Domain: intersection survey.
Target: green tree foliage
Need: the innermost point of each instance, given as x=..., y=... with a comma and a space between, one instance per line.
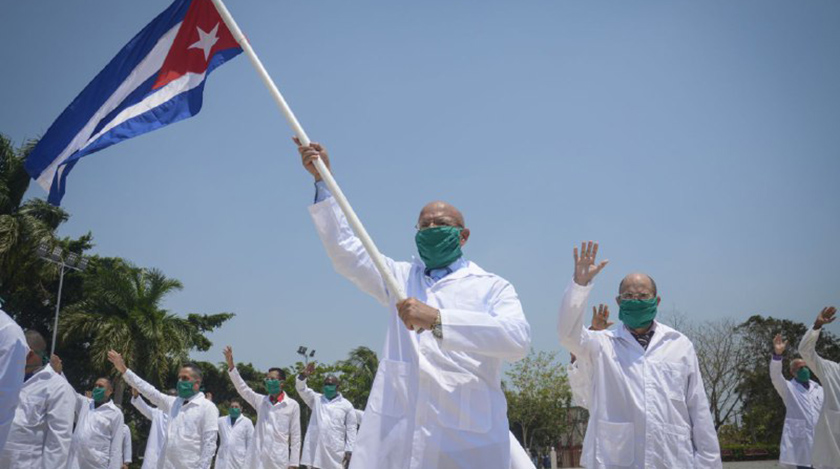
x=537, y=392
x=122, y=310
x=763, y=412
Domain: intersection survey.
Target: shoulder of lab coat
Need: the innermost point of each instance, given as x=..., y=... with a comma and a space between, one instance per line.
x=61, y=404
x=570, y=329
x=348, y=255
x=500, y=330
x=13, y=350
x=808, y=349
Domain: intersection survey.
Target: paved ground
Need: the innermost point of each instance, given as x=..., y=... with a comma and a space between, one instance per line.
x=752, y=465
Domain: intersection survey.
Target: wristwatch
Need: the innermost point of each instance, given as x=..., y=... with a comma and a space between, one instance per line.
x=437, y=327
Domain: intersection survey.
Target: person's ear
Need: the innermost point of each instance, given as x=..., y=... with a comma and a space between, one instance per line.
x=618, y=301
x=465, y=235
x=658, y=300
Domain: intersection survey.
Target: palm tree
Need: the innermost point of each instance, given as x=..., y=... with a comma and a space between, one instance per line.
x=122, y=310
x=357, y=375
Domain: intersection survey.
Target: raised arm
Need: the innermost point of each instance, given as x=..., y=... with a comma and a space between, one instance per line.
x=573, y=336
x=242, y=388
x=703, y=434
x=159, y=399
x=776, y=376
x=140, y=404
x=345, y=250
x=808, y=344
x=308, y=395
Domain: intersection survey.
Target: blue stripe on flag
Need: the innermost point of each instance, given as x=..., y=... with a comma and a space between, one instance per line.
x=178, y=108
x=76, y=116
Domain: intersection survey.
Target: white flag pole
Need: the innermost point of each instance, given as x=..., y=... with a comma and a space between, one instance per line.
x=391, y=282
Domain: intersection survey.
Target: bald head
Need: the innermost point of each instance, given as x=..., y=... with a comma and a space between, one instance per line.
x=35, y=341
x=637, y=283
x=439, y=213
x=795, y=365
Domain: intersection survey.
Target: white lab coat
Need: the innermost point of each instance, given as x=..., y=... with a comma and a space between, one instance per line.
x=97, y=439
x=126, y=446
x=647, y=408
x=580, y=381
x=435, y=403
x=518, y=457
x=157, y=432
x=43, y=425
x=277, y=435
x=13, y=350
x=803, y=407
x=234, y=443
x=826, y=449
x=331, y=431
x=192, y=428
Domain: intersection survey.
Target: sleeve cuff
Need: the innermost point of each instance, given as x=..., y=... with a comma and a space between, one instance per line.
x=321, y=191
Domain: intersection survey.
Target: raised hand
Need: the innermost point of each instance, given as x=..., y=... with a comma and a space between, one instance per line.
x=89, y=394
x=117, y=360
x=779, y=345
x=310, y=368
x=826, y=316
x=56, y=364
x=585, y=267
x=134, y=392
x=229, y=358
x=309, y=154
x=601, y=318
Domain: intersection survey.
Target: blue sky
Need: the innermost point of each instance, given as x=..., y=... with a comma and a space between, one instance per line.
x=697, y=141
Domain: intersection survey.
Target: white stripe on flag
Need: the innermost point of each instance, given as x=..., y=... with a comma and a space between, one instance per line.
x=150, y=65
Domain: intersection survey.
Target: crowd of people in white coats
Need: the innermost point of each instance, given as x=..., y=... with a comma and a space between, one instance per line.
x=436, y=400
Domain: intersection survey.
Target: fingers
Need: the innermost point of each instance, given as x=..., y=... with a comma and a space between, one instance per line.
x=576, y=255
x=595, y=251
x=600, y=267
x=606, y=312
x=297, y=141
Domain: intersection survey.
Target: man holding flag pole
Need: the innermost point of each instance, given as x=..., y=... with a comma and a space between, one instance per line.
x=437, y=399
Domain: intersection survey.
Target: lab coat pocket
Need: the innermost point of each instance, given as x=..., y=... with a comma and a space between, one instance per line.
x=674, y=380
x=464, y=402
x=614, y=444
x=797, y=428
x=389, y=395
x=675, y=446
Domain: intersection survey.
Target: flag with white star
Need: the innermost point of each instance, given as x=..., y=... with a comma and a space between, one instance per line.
x=155, y=80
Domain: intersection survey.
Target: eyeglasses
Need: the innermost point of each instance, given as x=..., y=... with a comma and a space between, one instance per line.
x=436, y=221
x=636, y=296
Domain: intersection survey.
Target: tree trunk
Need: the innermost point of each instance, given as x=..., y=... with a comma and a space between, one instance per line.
x=119, y=391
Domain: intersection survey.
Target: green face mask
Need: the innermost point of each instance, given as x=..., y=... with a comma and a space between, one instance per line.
x=98, y=394
x=439, y=246
x=803, y=375
x=234, y=413
x=637, y=314
x=185, y=389
x=330, y=391
x=272, y=386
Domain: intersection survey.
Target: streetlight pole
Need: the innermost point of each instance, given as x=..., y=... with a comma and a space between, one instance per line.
x=73, y=261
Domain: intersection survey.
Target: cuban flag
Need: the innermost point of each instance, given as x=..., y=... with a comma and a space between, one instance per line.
x=155, y=80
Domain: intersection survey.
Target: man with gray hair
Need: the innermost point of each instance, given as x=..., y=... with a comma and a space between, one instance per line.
x=42, y=429
x=193, y=420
